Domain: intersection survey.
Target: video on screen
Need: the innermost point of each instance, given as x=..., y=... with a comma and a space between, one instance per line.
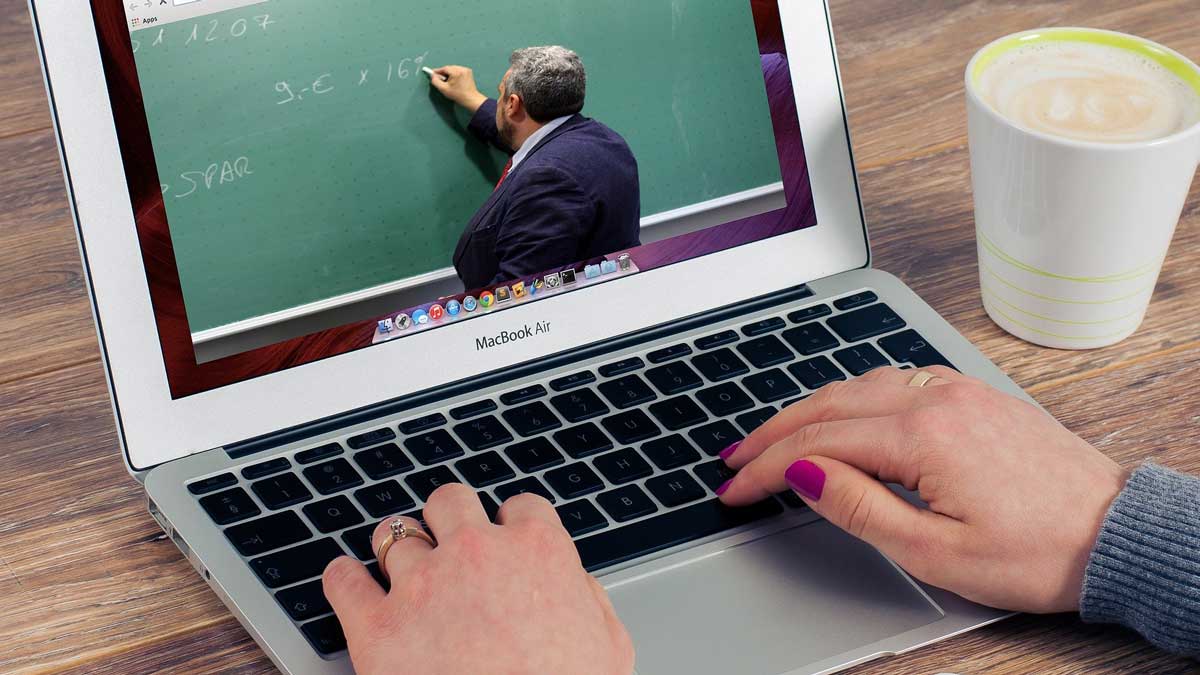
x=410, y=165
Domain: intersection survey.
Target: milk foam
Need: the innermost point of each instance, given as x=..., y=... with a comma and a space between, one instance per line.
x=1089, y=92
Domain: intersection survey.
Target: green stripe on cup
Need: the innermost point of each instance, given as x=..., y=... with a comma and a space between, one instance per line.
x=997, y=298
x=992, y=273
x=1139, y=271
x=1056, y=335
x=1176, y=64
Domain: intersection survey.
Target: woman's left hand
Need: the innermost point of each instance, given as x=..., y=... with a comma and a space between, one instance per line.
x=509, y=597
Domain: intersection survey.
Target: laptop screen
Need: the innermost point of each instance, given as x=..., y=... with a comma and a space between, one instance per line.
x=312, y=178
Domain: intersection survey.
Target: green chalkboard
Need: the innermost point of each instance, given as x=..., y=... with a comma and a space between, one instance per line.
x=303, y=155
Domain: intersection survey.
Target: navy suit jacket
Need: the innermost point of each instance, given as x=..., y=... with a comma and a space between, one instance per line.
x=574, y=196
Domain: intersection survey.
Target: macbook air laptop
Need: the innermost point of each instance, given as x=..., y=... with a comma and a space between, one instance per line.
x=268, y=197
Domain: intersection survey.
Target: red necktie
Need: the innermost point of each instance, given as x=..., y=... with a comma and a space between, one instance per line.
x=503, y=174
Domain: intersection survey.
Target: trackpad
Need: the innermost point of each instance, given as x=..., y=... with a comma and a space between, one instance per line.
x=769, y=606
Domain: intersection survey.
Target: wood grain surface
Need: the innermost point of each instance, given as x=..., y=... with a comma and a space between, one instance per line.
x=88, y=583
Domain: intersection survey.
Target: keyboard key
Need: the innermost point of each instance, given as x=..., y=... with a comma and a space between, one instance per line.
x=577, y=406
x=424, y=423
x=762, y=327
x=674, y=378
x=856, y=300
x=713, y=474
x=490, y=507
x=318, y=453
x=484, y=469
x=332, y=514
x=672, y=528
x=433, y=447
x=716, y=340
x=766, y=351
x=809, y=313
x=268, y=534
x=909, y=347
x=810, y=338
x=483, y=433
x=581, y=517
x=630, y=426
x=720, y=365
x=527, y=484
x=678, y=413
x=573, y=380
x=266, y=468
x=370, y=438
x=670, y=452
x=626, y=503
x=325, y=635
x=724, y=399
x=749, y=421
x=373, y=570
x=532, y=419
x=523, y=394
x=304, y=601
x=816, y=372
x=792, y=499
x=583, y=440
x=771, y=385
x=714, y=437
x=425, y=482
x=668, y=353
x=627, y=392
x=621, y=367
x=860, y=359
x=332, y=476
x=280, y=491
x=359, y=541
x=298, y=563
x=463, y=412
x=382, y=461
x=866, y=323
x=536, y=454
x=384, y=499
x=230, y=506
x=622, y=466
x=206, y=485
x=574, y=480
x=675, y=488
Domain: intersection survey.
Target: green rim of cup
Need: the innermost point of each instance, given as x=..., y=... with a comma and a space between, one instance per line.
x=1173, y=62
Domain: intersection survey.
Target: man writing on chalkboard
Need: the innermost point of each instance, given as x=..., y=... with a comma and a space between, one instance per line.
x=569, y=191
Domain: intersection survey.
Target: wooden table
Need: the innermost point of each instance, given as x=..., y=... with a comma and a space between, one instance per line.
x=88, y=583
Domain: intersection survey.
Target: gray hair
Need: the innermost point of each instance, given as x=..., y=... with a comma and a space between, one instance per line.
x=550, y=81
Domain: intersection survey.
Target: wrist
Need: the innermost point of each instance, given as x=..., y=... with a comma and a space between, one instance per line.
x=473, y=101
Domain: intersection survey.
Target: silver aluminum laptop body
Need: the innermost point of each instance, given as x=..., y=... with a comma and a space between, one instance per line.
x=787, y=594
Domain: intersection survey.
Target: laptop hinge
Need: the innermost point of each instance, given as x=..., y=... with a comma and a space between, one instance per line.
x=530, y=368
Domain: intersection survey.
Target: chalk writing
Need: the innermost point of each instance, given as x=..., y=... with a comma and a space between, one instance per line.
x=206, y=32
x=366, y=76
x=214, y=175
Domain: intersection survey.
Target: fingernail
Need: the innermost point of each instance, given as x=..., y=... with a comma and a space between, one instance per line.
x=725, y=454
x=724, y=486
x=806, y=478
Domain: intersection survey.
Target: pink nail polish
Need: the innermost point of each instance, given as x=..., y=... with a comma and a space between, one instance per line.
x=727, y=452
x=724, y=486
x=806, y=478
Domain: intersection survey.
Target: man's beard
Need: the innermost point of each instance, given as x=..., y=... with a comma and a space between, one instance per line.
x=506, y=131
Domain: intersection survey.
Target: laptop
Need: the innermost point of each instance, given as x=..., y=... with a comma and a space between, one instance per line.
x=291, y=357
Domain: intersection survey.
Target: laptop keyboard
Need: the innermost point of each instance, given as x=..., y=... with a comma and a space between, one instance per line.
x=626, y=452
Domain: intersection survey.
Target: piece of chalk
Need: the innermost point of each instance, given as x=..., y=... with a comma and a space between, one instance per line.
x=427, y=70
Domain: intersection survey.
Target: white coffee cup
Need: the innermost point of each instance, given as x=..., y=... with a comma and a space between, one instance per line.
x=1072, y=234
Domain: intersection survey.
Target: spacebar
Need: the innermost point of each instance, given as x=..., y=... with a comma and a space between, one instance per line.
x=670, y=529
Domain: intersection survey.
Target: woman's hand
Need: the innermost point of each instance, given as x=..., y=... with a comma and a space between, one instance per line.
x=1014, y=499
x=505, y=598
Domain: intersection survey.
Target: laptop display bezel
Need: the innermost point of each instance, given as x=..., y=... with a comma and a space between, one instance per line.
x=155, y=428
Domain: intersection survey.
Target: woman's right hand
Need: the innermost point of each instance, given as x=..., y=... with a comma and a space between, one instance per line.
x=1015, y=500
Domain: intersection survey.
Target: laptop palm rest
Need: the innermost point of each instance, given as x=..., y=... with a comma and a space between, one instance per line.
x=769, y=606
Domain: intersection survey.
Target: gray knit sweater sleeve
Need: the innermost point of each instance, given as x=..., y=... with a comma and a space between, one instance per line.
x=1144, y=572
